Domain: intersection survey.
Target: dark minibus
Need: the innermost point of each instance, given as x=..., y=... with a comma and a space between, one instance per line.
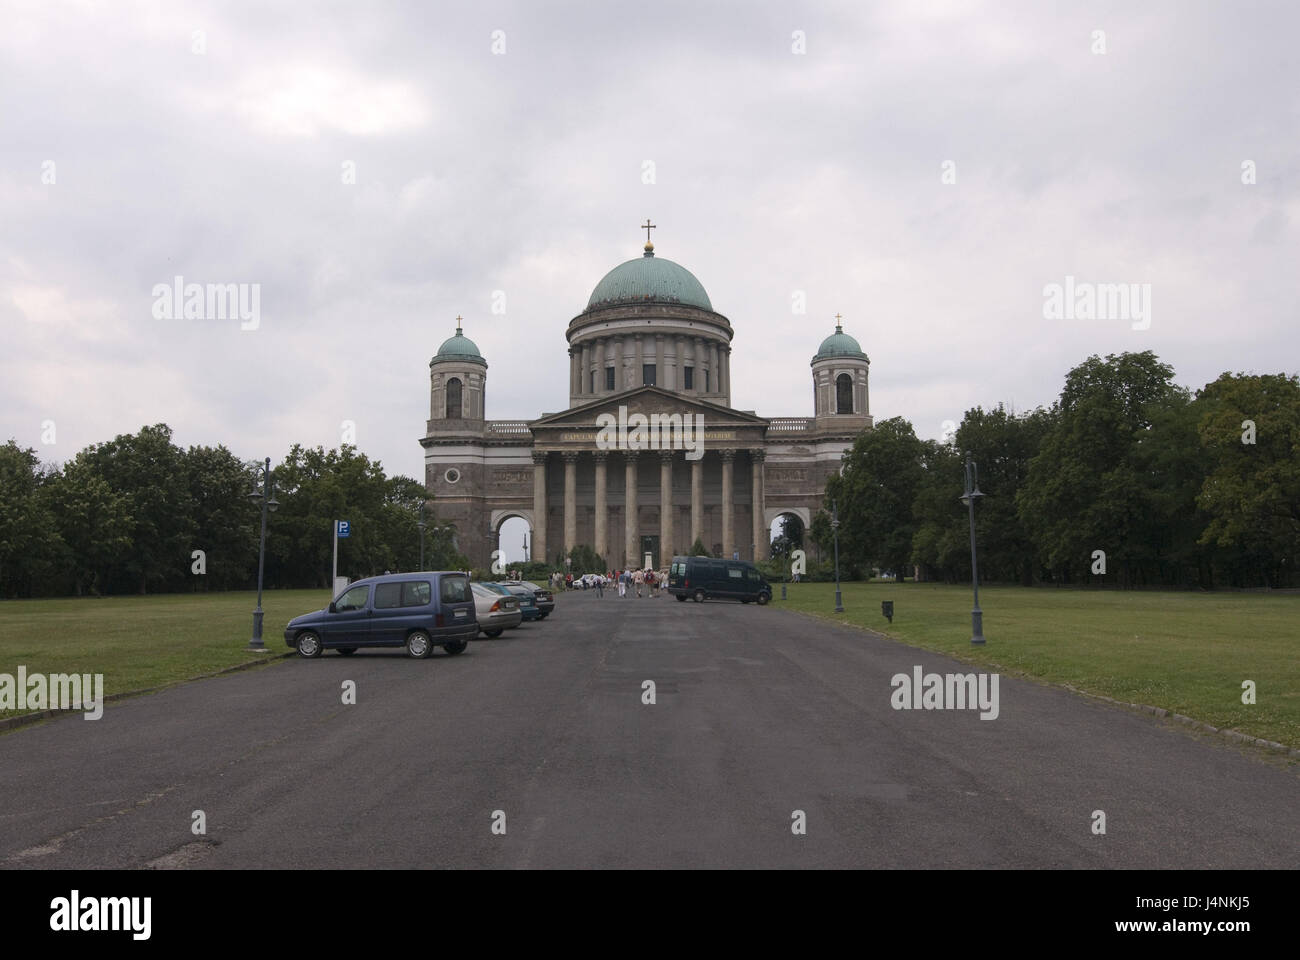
x=703, y=578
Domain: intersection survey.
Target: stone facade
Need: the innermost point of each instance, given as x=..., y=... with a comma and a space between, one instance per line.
x=645, y=351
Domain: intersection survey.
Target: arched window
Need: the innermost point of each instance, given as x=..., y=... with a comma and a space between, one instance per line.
x=453, y=399
x=844, y=393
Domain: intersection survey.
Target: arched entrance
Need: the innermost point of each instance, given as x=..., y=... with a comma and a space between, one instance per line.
x=513, y=536
x=787, y=531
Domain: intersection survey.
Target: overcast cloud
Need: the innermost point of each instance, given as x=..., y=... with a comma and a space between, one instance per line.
x=522, y=172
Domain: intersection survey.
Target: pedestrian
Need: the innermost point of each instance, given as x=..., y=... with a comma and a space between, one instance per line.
x=638, y=579
x=622, y=582
x=600, y=588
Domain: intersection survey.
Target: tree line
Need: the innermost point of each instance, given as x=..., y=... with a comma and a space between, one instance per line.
x=139, y=514
x=1127, y=479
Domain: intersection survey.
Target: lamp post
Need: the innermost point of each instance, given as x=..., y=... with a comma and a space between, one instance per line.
x=971, y=494
x=835, y=529
x=266, y=497
x=421, y=524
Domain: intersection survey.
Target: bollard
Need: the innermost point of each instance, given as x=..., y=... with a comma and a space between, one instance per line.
x=887, y=608
x=782, y=589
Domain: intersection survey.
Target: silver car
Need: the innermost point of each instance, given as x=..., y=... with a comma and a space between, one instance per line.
x=497, y=612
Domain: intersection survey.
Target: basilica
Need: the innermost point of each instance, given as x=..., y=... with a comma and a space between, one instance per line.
x=648, y=342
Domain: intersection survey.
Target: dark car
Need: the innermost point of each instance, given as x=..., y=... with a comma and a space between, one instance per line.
x=527, y=599
x=418, y=611
x=543, y=597
x=703, y=578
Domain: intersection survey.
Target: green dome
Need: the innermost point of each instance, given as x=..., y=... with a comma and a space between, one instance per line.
x=459, y=347
x=839, y=344
x=649, y=279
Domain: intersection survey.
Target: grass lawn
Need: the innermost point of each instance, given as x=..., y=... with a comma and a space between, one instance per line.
x=1186, y=652
x=138, y=642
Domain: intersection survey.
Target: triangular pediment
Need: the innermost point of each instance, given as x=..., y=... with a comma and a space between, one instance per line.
x=647, y=401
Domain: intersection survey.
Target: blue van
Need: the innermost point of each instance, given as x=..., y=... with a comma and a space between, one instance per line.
x=418, y=611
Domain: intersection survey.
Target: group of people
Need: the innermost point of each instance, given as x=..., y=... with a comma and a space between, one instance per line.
x=630, y=582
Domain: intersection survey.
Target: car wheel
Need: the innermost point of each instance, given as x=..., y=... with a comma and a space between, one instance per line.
x=744, y=599
x=763, y=598
x=699, y=596
x=347, y=651
x=456, y=646
x=309, y=645
x=543, y=616
x=492, y=634
x=418, y=645
x=681, y=598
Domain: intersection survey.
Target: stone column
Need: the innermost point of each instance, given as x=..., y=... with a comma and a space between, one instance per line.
x=602, y=361
x=661, y=374
x=631, y=537
x=600, y=456
x=697, y=356
x=728, y=505
x=640, y=359
x=679, y=384
x=584, y=379
x=666, y=505
x=539, y=504
x=697, y=500
x=619, y=384
x=726, y=374
x=570, y=501
x=715, y=381
x=756, y=458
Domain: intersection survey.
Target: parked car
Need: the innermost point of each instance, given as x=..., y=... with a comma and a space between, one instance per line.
x=542, y=596
x=497, y=611
x=526, y=597
x=418, y=611
x=703, y=578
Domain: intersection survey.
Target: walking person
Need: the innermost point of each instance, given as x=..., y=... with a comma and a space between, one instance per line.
x=598, y=583
x=622, y=582
x=638, y=578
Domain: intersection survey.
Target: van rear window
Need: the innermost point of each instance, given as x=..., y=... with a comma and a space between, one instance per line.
x=416, y=593
x=455, y=589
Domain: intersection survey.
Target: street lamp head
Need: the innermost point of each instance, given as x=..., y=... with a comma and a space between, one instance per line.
x=272, y=504
x=255, y=495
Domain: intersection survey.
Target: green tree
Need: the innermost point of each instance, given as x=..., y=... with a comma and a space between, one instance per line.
x=94, y=522
x=30, y=549
x=226, y=523
x=1249, y=428
x=875, y=493
x=1084, y=490
x=149, y=471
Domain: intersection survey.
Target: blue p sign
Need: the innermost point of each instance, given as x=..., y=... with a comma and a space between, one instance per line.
x=345, y=529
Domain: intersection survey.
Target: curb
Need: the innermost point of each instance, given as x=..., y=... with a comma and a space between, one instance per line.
x=14, y=722
x=1191, y=722
x=1273, y=745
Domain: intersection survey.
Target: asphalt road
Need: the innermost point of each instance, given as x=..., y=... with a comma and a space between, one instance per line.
x=759, y=713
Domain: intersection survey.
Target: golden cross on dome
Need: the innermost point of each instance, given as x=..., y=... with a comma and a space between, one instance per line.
x=647, y=227
x=458, y=323
x=838, y=324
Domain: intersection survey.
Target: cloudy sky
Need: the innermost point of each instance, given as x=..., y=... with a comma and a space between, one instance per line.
x=507, y=147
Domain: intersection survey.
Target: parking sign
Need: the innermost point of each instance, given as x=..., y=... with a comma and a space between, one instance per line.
x=345, y=529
